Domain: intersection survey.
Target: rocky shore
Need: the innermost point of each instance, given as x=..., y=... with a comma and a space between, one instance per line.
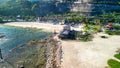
x=45, y=53
x=53, y=53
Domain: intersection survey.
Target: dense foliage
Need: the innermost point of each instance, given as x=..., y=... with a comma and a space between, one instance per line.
x=117, y=56
x=112, y=32
x=117, y=26
x=32, y=7
x=29, y=9
x=103, y=18
x=114, y=63
x=16, y=7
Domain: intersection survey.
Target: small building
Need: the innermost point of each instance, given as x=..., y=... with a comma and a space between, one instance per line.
x=67, y=33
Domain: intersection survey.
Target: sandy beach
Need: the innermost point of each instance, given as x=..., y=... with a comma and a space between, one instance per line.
x=93, y=54
x=45, y=26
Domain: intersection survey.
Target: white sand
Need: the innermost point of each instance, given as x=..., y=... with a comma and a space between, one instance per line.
x=45, y=26
x=94, y=54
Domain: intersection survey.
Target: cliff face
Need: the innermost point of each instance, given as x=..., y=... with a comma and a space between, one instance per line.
x=86, y=7
x=93, y=7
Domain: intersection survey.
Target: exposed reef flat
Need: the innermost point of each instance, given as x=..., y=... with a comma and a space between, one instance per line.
x=35, y=54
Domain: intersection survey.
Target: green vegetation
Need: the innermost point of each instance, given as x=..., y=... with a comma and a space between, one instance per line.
x=113, y=63
x=110, y=32
x=28, y=10
x=16, y=7
x=84, y=36
x=103, y=18
x=113, y=17
x=115, y=30
x=25, y=9
x=75, y=18
x=94, y=28
x=117, y=56
x=117, y=27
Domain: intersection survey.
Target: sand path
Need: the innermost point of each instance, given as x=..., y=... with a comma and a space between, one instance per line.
x=92, y=54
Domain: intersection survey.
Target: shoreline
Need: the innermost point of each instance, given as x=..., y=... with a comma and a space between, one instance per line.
x=45, y=47
x=78, y=54
x=36, y=25
x=54, y=42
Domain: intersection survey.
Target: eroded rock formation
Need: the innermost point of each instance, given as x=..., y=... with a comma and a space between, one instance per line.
x=94, y=7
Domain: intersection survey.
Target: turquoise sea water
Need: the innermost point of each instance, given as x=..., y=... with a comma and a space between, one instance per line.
x=17, y=36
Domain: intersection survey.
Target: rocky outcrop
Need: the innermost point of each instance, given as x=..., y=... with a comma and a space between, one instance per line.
x=53, y=53
x=94, y=7
x=35, y=54
x=2, y=35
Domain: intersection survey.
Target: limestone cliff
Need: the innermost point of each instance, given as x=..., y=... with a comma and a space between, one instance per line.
x=93, y=7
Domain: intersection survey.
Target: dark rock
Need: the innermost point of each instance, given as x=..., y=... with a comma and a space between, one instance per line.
x=2, y=36
x=104, y=37
x=65, y=34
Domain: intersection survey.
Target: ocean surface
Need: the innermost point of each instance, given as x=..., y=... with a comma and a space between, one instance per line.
x=15, y=36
